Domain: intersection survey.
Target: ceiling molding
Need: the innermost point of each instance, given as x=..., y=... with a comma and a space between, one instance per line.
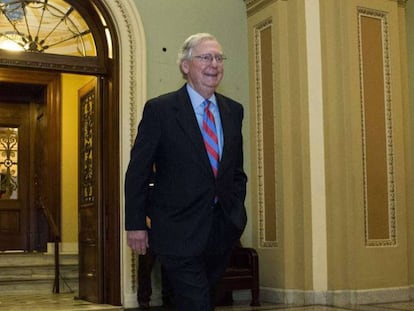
x=253, y=6
x=402, y=3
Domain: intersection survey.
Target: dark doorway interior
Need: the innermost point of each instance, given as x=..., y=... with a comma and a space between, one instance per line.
x=31, y=69
x=23, y=226
x=21, y=92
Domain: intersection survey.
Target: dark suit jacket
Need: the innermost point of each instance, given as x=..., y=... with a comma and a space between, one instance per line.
x=185, y=187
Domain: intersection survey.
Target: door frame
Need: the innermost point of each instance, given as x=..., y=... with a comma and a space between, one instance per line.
x=127, y=99
x=51, y=82
x=106, y=66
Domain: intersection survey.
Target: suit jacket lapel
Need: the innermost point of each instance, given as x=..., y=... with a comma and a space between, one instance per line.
x=225, y=116
x=187, y=120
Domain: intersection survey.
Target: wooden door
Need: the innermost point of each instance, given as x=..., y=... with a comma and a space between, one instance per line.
x=90, y=202
x=42, y=159
x=25, y=98
x=14, y=176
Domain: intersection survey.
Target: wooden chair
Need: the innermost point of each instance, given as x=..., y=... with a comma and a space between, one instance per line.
x=242, y=273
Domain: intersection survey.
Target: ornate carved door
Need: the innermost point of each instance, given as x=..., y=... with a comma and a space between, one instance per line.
x=14, y=176
x=90, y=202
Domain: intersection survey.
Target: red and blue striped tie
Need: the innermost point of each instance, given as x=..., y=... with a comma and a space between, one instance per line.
x=210, y=137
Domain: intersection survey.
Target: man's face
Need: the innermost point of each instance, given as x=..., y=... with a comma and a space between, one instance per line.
x=204, y=76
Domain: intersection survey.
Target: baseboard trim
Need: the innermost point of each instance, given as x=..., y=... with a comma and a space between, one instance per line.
x=130, y=300
x=331, y=298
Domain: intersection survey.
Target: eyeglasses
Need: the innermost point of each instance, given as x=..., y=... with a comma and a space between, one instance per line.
x=208, y=58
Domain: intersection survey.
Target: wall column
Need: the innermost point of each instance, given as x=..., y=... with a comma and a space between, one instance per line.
x=317, y=147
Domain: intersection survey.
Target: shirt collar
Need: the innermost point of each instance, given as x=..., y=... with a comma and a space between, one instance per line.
x=197, y=99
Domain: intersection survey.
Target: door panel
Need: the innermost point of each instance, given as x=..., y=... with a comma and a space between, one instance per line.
x=39, y=92
x=14, y=176
x=42, y=156
x=90, y=205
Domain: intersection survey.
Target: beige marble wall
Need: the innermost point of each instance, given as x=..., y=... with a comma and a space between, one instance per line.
x=409, y=112
x=285, y=253
x=342, y=167
x=366, y=166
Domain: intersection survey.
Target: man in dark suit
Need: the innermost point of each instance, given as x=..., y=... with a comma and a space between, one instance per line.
x=198, y=211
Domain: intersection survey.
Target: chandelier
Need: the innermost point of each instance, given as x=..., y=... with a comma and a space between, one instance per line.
x=51, y=26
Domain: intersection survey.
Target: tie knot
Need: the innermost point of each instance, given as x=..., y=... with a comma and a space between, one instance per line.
x=206, y=104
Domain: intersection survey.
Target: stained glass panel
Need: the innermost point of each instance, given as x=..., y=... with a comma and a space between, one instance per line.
x=45, y=26
x=87, y=122
x=8, y=163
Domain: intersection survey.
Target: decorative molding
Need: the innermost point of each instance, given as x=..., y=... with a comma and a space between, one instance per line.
x=131, y=70
x=88, y=148
x=392, y=240
x=132, y=97
x=36, y=60
x=127, y=40
x=259, y=134
x=402, y=3
x=337, y=298
x=253, y=6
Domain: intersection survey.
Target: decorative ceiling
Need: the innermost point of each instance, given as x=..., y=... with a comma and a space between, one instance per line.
x=44, y=26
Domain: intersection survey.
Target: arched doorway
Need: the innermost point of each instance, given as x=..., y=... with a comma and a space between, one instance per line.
x=103, y=241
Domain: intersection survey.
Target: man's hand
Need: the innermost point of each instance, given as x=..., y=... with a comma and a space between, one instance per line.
x=138, y=241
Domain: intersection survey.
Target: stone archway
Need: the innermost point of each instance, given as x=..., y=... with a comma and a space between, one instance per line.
x=131, y=99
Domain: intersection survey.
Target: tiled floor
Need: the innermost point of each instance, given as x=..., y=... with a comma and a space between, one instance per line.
x=66, y=302
x=48, y=302
x=396, y=306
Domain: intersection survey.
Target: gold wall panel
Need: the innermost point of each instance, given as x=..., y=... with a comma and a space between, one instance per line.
x=378, y=163
x=266, y=135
